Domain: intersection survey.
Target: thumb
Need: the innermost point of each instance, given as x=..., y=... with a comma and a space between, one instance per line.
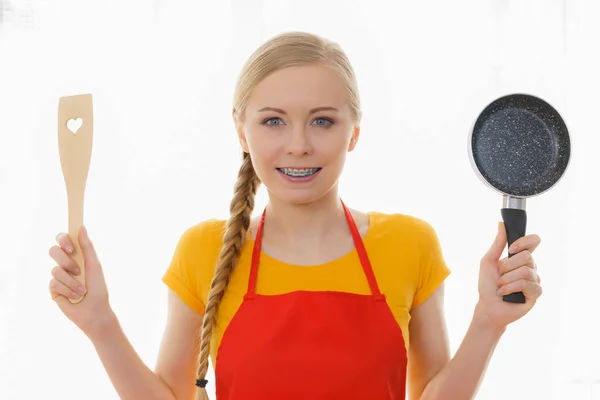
x=497, y=248
x=87, y=248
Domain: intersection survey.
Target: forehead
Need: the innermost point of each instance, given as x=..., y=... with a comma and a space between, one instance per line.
x=300, y=87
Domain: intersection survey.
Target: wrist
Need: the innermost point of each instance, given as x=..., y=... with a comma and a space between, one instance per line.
x=103, y=327
x=482, y=323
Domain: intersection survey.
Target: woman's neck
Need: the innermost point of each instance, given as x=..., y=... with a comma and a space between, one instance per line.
x=302, y=226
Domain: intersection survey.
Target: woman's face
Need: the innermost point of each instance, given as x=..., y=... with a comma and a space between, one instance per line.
x=298, y=128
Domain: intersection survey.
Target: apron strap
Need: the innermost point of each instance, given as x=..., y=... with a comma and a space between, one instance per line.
x=362, y=253
x=256, y=255
x=360, y=248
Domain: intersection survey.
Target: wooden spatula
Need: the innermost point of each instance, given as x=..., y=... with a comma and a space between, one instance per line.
x=75, y=133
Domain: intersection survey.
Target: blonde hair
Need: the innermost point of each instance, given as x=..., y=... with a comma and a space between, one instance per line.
x=284, y=50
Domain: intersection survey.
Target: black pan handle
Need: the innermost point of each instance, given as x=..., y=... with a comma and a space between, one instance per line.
x=515, y=221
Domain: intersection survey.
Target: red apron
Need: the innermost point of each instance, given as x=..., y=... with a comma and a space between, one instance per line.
x=309, y=345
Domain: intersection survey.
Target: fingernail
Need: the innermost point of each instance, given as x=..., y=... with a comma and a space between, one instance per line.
x=74, y=295
x=69, y=248
x=500, y=292
x=76, y=271
x=84, y=231
x=80, y=290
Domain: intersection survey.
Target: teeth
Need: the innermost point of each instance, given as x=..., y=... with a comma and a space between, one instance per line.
x=299, y=172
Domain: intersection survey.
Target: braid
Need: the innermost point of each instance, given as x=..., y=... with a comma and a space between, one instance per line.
x=237, y=225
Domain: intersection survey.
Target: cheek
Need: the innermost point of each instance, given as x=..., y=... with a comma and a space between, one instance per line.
x=258, y=136
x=264, y=152
x=335, y=146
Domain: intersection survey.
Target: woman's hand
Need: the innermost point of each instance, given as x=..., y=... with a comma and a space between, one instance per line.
x=93, y=313
x=498, y=277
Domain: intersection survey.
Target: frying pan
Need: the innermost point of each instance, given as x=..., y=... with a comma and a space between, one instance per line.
x=519, y=146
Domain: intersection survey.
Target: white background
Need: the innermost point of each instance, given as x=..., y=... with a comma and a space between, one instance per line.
x=165, y=157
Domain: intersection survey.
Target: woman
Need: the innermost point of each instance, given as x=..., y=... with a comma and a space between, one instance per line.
x=311, y=300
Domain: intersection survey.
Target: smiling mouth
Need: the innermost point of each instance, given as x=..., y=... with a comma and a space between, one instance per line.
x=299, y=172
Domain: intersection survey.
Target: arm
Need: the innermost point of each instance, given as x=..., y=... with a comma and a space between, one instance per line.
x=177, y=357
x=432, y=374
x=429, y=349
x=175, y=369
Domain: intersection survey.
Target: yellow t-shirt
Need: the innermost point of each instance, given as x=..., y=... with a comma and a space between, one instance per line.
x=404, y=251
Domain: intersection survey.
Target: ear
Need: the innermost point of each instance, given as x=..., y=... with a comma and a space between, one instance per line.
x=354, y=138
x=242, y=137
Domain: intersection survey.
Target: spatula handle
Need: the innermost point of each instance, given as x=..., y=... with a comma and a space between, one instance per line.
x=75, y=201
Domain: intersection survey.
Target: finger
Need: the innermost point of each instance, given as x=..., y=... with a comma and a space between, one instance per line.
x=64, y=260
x=498, y=245
x=527, y=242
x=64, y=241
x=57, y=288
x=530, y=289
x=63, y=277
x=524, y=258
x=523, y=272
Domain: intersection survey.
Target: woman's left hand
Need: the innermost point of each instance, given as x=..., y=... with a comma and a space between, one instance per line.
x=499, y=277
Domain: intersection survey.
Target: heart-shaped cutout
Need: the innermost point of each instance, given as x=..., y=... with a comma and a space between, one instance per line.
x=74, y=124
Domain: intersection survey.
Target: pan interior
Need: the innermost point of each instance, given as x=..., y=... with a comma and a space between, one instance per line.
x=520, y=146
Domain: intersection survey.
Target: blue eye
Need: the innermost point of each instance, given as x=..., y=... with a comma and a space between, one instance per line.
x=269, y=120
x=324, y=121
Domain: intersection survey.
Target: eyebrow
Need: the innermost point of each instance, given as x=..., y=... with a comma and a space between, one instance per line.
x=314, y=110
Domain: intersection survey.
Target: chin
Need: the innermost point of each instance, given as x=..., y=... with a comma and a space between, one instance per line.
x=296, y=197
x=301, y=196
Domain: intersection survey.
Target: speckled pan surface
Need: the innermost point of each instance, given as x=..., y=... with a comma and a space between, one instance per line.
x=520, y=145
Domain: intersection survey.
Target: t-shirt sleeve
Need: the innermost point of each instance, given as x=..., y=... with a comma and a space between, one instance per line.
x=190, y=272
x=432, y=269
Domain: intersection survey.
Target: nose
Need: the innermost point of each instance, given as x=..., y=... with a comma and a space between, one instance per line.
x=299, y=142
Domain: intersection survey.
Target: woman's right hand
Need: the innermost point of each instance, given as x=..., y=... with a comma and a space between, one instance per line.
x=93, y=313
